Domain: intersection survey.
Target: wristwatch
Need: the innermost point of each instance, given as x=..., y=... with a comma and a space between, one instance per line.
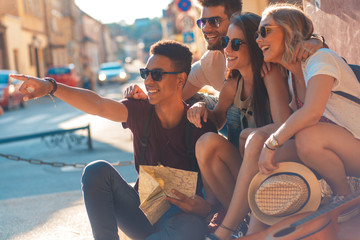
x=273, y=142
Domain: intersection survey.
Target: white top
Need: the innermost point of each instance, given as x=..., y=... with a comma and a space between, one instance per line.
x=209, y=70
x=338, y=109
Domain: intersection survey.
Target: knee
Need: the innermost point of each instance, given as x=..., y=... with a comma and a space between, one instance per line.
x=94, y=172
x=204, y=145
x=306, y=143
x=256, y=139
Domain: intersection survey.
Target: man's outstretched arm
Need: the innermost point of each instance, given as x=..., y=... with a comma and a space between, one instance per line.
x=82, y=99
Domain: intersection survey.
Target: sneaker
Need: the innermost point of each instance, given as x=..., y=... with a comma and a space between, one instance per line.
x=348, y=213
x=327, y=193
x=354, y=184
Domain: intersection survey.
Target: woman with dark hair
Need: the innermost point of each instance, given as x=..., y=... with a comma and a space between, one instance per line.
x=264, y=105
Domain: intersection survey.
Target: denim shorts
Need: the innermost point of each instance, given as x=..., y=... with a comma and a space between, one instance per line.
x=232, y=127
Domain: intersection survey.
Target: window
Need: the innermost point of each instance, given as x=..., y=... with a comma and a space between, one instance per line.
x=16, y=59
x=31, y=55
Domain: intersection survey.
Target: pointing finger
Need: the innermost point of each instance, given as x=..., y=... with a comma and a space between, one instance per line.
x=20, y=77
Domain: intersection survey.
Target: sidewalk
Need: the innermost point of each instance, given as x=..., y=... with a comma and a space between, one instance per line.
x=57, y=216
x=45, y=217
x=61, y=216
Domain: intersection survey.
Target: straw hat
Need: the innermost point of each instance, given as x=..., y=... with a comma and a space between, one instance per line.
x=292, y=188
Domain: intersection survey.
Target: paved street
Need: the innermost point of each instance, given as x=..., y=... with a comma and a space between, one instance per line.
x=44, y=202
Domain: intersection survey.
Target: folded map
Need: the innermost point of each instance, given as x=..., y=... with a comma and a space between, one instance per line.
x=156, y=182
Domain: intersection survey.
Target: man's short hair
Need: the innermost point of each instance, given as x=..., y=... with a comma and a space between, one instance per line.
x=230, y=6
x=179, y=54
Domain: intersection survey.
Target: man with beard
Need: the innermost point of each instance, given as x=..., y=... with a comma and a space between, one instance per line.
x=214, y=23
x=211, y=68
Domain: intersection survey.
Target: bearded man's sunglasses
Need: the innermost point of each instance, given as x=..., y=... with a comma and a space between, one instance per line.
x=264, y=31
x=213, y=21
x=156, y=74
x=235, y=43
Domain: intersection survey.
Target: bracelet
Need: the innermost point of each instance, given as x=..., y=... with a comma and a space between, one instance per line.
x=54, y=85
x=272, y=149
x=229, y=229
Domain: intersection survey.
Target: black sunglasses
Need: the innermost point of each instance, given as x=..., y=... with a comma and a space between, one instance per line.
x=213, y=21
x=156, y=74
x=235, y=43
x=264, y=31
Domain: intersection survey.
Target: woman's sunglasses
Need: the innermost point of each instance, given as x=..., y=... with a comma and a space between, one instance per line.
x=235, y=43
x=213, y=21
x=156, y=74
x=264, y=31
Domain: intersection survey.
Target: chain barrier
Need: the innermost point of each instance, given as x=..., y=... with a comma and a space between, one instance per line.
x=58, y=164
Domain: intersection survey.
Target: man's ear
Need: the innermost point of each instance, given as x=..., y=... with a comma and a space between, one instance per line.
x=182, y=79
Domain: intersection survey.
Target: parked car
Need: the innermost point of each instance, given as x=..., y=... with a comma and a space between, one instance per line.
x=10, y=96
x=65, y=75
x=112, y=72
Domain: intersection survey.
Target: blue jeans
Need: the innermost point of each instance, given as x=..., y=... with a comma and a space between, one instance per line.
x=232, y=127
x=111, y=202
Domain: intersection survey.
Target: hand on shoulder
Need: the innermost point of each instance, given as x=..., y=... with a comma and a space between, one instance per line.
x=135, y=92
x=308, y=48
x=197, y=112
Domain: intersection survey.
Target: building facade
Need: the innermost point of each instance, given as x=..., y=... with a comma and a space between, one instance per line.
x=37, y=34
x=24, y=36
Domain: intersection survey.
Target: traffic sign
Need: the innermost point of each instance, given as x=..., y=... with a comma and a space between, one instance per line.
x=188, y=37
x=185, y=22
x=184, y=5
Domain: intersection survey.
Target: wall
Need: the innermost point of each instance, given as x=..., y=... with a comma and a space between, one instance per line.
x=339, y=22
x=255, y=6
x=14, y=42
x=92, y=40
x=9, y=7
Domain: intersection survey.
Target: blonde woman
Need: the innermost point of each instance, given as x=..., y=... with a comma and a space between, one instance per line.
x=324, y=123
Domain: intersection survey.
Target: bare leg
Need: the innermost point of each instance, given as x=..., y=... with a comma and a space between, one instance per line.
x=239, y=206
x=219, y=163
x=210, y=196
x=332, y=151
x=255, y=225
x=242, y=139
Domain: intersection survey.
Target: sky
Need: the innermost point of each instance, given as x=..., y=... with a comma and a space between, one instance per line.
x=108, y=11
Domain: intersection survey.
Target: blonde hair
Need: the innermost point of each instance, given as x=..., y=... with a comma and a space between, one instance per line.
x=296, y=24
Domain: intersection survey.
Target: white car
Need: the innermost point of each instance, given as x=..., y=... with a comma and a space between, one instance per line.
x=112, y=72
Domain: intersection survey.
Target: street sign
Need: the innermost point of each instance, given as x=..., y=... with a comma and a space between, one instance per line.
x=188, y=37
x=185, y=22
x=184, y=5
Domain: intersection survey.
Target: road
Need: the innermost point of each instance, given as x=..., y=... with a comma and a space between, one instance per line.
x=21, y=180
